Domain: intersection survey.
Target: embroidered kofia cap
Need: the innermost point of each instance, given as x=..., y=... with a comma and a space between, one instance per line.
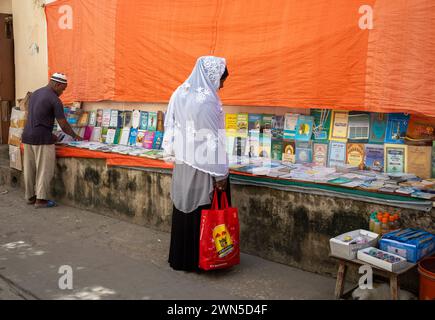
x=59, y=77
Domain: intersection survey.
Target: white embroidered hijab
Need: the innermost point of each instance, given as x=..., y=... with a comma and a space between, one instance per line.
x=194, y=122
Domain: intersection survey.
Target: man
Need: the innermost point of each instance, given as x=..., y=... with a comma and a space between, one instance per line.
x=38, y=140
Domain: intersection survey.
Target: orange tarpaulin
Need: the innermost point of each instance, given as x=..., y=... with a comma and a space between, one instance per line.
x=311, y=53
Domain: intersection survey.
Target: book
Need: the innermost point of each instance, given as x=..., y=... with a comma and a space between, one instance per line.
x=121, y=117
x=96, y=135
x=304, y=152
x=374, y=157
x=337, y=154
x=322, y=124
x=276, y=149
x=254, y=144
x=110, y=136
x=421, y=131
x=92, y=118
x=339, y=126
x=359, y=127
x=160, y=121
x=148, y=139
x=113, y=119
x=355, y=155
x=278, y=128
x=395, y=158
x=104, y=131
x=320, y=154
x=133, y=137
x=397, y=125
x=84, y=119
x=239, y=148
x=143, y=123
x=242, y=125
x=106, y=118
x=254, y=122
x=265, y=145
x=304, y=128
x=290, y=121
x=231, y=124
x=152, y=121
x=433, y=159
x=140, y=137
x=289, y=151
x=125, y=135
x=229, y=144
x=135, y=122
x=378, y=127
x=117, y=136
x=266, y=124
x=128, y=119
x=88, y=133
x=419, y=161
x=99, y=120
x=158, y=138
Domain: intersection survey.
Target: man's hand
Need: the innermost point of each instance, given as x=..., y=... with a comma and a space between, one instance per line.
x=221, y=185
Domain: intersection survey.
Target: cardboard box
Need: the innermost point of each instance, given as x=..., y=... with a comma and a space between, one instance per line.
x=386, y=264
x=348, y=249
x=15, y=158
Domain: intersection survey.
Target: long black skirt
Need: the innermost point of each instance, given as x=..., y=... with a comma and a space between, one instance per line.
x=184, y=250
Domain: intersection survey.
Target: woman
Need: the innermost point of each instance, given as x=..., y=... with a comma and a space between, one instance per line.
x=195, y=135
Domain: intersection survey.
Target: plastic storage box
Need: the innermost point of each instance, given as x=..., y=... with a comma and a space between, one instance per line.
x=384, y=260
x=411, y=244
x=347, y=245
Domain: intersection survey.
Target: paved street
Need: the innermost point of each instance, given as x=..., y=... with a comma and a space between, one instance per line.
x=112, y=259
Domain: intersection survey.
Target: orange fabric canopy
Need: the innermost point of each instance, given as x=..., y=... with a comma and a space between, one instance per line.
x=290, y=53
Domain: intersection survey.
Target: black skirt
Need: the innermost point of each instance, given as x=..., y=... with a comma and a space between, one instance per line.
x=184, y=250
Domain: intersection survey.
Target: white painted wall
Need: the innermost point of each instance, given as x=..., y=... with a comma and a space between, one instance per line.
x=6, y=6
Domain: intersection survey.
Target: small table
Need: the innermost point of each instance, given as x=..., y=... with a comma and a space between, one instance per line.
x=392, y=276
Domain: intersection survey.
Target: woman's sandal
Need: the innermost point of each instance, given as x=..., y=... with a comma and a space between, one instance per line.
x=49, y=204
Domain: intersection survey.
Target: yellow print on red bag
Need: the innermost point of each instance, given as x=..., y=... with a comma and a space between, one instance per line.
x=222, y=239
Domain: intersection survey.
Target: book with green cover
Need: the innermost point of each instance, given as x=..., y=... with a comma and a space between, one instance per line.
x=266, y=124
x=278, y=127
x=152, y=121
x=117, y=136
x=277, y=145
x=378, y=127
x=104, y=134
x=322, y=124
x=242, y=125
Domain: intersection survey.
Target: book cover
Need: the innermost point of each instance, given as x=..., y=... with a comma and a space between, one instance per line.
x=359, y=127
x=81, y=132
x=276, y=149
x=239, y=148
x=322, y=124
x=140, y=137
x=355, y=155
x=104, y=131
x=84, y=119
x=229, y=144
x=304, y=152
x=242, y=125
x=339, y=126
x=289, y=151
x=419, y=161
x=337, y=154
x=265, y=146
x=266, y=124
x=254, y=144
x=374, y=157
x=93, y=118
x=133, y=137
x=290, y=121
x=135, y=122
x=378, y=127
x=320, y=154
x=278, y=127
x=158, y=138
x=96, y=134
x=125, y=135
x=304, y=128
x=397, y=125
x=117, y=136
x=254, y=122
x=231, y=124
x=160, y=121
x=128, y=119
x=143, y=125
x=110, y=136
x=148, y=139
x=395, y=158
x=152, y=121
x=88, y=133
x=421, y=131
x=433, y=159
x=99, y=120
x=113, y=119
x=106, y=117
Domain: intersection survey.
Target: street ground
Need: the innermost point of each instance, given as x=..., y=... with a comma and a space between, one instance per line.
x=112, y=259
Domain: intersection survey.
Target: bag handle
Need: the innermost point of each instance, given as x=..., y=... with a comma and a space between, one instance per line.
x=215, y=203
x=224, y=201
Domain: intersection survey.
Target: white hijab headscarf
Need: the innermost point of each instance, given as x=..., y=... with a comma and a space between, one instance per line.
x=194, y=122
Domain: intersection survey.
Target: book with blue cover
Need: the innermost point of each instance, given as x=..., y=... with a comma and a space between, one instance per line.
x=254, y=122
x=304, y=152
x=158, y=138
x=397, y=124
x=374, y=157
x=337, y=154
x=278, y=127
x=290, y=121
x=133, y=137
x=378, y=126
x=304, y=128
x=143, y=125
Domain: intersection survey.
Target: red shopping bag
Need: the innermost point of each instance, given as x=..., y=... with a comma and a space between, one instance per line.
x=219, y=244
